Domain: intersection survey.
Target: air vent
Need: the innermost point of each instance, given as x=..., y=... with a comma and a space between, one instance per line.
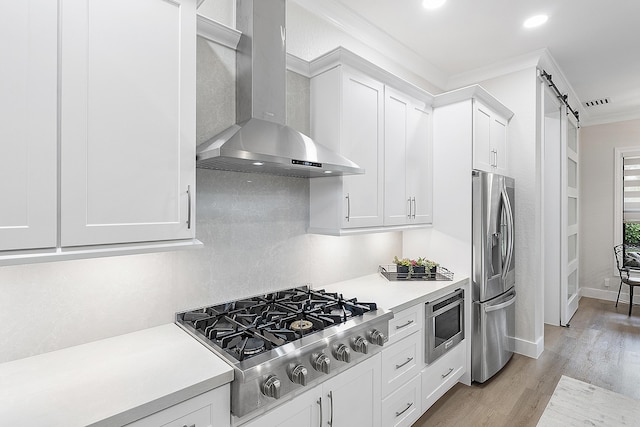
x=597, y=102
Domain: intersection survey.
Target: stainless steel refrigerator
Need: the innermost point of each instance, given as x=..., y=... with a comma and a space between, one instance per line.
x=493, y=280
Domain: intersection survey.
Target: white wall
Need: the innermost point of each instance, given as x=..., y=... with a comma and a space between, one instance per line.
x=597, y=145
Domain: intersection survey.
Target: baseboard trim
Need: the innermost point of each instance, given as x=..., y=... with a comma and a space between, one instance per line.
x=528, y=348
x=609, y=295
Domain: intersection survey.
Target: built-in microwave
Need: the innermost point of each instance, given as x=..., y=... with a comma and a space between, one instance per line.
x=444, y=320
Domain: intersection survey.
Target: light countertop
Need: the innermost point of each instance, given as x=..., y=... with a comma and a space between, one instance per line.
x=394, y=295
x=109, y=382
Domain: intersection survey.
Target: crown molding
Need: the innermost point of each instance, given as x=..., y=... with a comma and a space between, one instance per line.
x=298, y=65
x=217, y=32
x=362, y=30
x=473, y=92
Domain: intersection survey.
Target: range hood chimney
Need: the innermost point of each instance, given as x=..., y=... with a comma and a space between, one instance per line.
x=260, y=142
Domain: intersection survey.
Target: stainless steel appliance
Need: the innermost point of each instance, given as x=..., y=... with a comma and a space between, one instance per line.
x=444, y=324
x=494, y=295
x=283, y=343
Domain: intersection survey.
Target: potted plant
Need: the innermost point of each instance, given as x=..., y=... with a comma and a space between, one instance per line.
x=406, y=267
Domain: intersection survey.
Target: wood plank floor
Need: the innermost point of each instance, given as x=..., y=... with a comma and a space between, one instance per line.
x=601, y=347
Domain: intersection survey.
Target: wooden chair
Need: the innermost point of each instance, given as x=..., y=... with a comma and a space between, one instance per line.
x=624, y=268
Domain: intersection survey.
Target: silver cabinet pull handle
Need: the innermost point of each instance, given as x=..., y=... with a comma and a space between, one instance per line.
x=348, y=217
x=409, y=203
x=409, y=405
x=414, y=208
x=448, y=373
x=405, y=325
x=402, y=364
x=188, y=207
x=331, y=407
x=320, y=403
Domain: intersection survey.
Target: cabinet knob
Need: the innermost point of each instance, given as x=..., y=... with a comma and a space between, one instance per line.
x=343, y=353
x=322, y=363
x=298, y=375
x=361, y=345
x=271, y=387
x=376, y=337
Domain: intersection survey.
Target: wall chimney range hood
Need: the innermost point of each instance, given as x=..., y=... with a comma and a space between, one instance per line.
x=260, y=142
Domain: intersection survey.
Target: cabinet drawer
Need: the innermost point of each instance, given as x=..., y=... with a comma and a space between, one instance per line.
x=402, y=407
x=406, y=322
x=401, y=362
x=205, y=410
x=443, y=374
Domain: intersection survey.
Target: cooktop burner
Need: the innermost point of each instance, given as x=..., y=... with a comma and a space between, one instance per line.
x=249, y=327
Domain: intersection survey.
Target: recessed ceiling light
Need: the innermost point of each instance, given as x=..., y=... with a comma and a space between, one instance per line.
x=432, y=4
x=258, y=163
x=328, y=171
x=535, y=21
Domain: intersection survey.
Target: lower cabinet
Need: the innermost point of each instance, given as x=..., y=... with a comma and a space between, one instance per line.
x=441, y=375
x=206, y=410
x=403, y=407
x=349, y=399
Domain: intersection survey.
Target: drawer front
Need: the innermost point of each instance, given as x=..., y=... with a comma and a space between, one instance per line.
x=402, y=408
x=401, y=362
x=406, y=322
x=443, y=374
x=208, y=409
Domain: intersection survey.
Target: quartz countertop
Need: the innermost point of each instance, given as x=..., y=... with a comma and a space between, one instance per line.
x=394, y=295
x=109, y=382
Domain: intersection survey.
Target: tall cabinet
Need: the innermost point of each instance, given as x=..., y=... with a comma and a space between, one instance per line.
x=97, y=144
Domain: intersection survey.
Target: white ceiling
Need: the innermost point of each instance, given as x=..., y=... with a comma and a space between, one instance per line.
x=595, y=43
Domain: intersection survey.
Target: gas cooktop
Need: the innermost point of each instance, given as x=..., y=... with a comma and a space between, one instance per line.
x=283, y=341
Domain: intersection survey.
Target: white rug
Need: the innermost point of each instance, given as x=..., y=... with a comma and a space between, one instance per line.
x=576, y=403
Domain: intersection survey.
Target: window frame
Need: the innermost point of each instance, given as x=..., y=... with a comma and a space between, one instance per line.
x=618, y=196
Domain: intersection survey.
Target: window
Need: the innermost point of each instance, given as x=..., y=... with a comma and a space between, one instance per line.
x=631, y=199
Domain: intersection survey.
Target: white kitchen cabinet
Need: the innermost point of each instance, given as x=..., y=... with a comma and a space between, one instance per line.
x=401, y=362
x=206, y=410
x=407, y=160
x=442, y=374
x=351, y=398
x=402, y=408
x=127, y=121
x=489, y=140
x=347, y=116
x=28, y=124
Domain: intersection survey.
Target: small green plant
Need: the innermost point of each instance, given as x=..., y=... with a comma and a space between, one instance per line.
x=420, y=262
x=632, y=234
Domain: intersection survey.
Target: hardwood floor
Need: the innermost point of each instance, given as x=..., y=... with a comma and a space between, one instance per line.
x=601, y=347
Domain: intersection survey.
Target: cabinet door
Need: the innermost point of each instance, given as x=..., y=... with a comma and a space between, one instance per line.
x=128, y=120
x=362, y=133
x=28, y=124
x=420, y=164
x=499, y=144
x=397, y=198
x=353, y=397
x=483, y=156
x=301, y=411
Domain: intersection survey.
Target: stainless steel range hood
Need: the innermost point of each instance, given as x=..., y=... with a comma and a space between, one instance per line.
x=261, y=142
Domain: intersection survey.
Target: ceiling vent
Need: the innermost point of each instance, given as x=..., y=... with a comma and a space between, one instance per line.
x=597, y=102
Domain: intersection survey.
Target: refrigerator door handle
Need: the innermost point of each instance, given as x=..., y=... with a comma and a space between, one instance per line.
x=501, y=305
x=510, y=238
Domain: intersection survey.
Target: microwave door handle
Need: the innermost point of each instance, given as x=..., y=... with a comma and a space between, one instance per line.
x=501, y=305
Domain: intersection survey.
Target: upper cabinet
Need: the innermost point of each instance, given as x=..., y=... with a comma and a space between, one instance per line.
x=99, y=140
x=28, y=124
x=383, y=124
x=347, y=116
x=486, y=120
x=128, y=121
x=407, y=160
x=489, y=139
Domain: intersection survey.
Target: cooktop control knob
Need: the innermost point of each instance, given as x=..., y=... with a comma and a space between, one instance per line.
x=271, y=387
x=343, y=353
x=376, y=337
x=360, y=345
x=322, y=363
x=298, y=375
